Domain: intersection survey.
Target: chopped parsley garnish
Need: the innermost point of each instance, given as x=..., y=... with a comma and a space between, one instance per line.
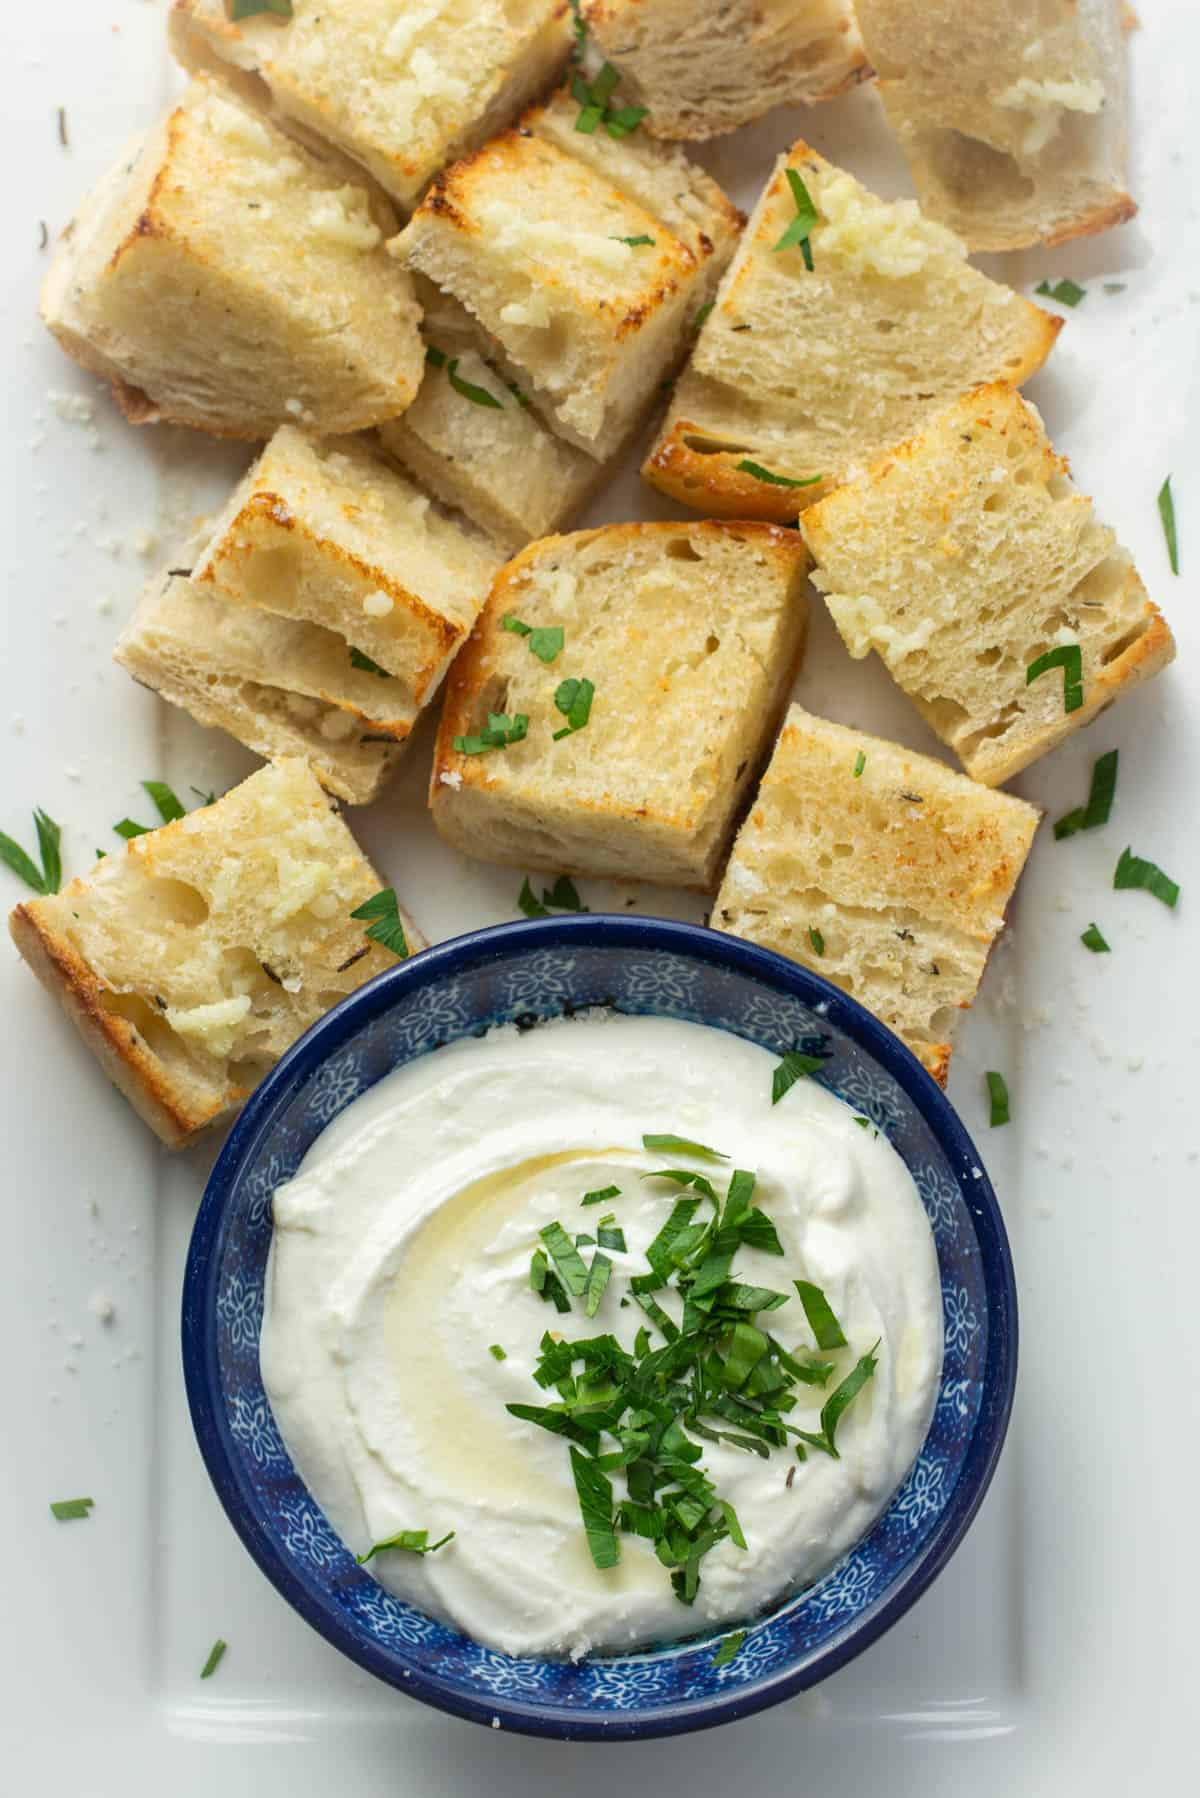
x=249, y=9
x=776, y=480
x=1166, y=511
x=729, y=1648
x=635, y=243
x=599, y=1274
x=545, y=640
x=1133, y=871
x=413, y=1542
x=860, y=762
x=566, y=1258
x=500, y=732
x=47, y=878
x=1100, y=799
x=478, y=396
x=387, y=928
x=546, y=1284
x=496, y=1352
x=70, y=1510
x=166, y=801
x=1092, y=939
x=573, y=698
x=1067, y=292
x=821, y=1320
x=360, y=660
x=596, y=1505
x=794, y=1066
x=562, y=896
x=816, y=939
x=702, y=312
x=216, y=1655
x=609, y=1235
x=598, y=1198
x=579, y=29
x=806, y=217
x=434, y=357
x=1068, y=657
x=682, y=1145
x=835, y=1405
x=595, y=109
x=998, y=1095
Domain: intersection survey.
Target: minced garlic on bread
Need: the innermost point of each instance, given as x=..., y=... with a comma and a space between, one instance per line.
x=402, y=86
x=329, y=532
x=703, y=67
x=688, y=636
x=964, y=556
x=584, y=256
x=225, y=277
x=279, y=685
x=881, y=870
x=809, y=374
x=193, y=959
x=1012, y=117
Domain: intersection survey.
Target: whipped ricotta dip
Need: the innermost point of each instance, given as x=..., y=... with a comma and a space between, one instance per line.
x=401, y=1321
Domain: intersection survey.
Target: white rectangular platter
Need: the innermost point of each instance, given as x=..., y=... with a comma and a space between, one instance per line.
x=1056, y=1655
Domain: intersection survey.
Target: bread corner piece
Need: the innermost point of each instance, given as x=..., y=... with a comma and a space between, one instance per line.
x=193, y=960
x=801, y=377
x=327, y=532
x=689, y=635
x=881, y=870
x=225, y=277
x=1013, y=118
x=585, y=256
x=399, y=88
x=703, y=67
x=279, y=685
x=964, y=557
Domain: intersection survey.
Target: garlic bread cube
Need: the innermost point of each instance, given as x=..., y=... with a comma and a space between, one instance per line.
x=879, y=869
x=402, y=86
x=1013, y=117
x=964, y=557
x=609, y=711
x=584, y=256
x=280, y=686
x=193, y=959
x=703, y=67
x=498, y=463
x=328, y=532
x=223, y=276
x=802, y=376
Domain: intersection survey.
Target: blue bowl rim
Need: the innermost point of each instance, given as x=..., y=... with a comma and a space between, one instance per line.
x=605, y=930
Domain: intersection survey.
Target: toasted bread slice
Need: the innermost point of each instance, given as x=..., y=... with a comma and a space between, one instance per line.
x=808, y=375
x=703, y=67
x=879, y=869
x=1013, y=117
x=279, y=686
x=402, y=86
x=689, y=635
x=191, y=961
x=585, y=257
x=329, y=532
x=501, y=465
x=966, y=555
x=222, y=276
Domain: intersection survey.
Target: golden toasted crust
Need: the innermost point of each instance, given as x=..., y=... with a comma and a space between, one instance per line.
x=711, y=481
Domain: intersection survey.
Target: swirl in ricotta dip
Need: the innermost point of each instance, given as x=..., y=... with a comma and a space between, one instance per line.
x=400, y=1273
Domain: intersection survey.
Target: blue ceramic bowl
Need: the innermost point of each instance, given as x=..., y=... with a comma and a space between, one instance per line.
x=540, y=970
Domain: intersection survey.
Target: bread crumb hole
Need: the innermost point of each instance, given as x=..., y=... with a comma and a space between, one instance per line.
x=680, y=550
x=161, y=900
x=1124, y=643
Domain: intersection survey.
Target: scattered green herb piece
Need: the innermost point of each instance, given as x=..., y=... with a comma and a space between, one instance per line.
x=595, y=109
x=47, y=878
x=635, y=243
x=836, y=1404
x=358, y=659
x=998, y=1094
x=1068, y=657
x=806, y=217
x=573, y=699
x=599, y=1274
x=816, y=939
x=478, y=396
x=595, y=1502
x=860, y=762
x=598, y=1198
x=248, y=9
x=1166, y=511
x=387, y=928
x=1093, y=940
x=729, y=1648
x=682, y=1145
x=821, y=1320
x=216, y=1655
x=1067, y=292
x=501, y=731
x=166, y=801
x=793, y=1067
x=1100, y=799
x=545, y=640
x=435, y=358
x=745, y=466
x=566, y=1258
x=1133, y=871
x=130, y=828
x=580, y=30
x=69, y=1510
x=609, y=1235
x=496, y=1352
x=702, y=313
x=413, y=1542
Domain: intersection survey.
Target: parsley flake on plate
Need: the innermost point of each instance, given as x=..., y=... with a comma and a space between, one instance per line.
x=47, y=878
x=798, y=231
x=386, y=928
